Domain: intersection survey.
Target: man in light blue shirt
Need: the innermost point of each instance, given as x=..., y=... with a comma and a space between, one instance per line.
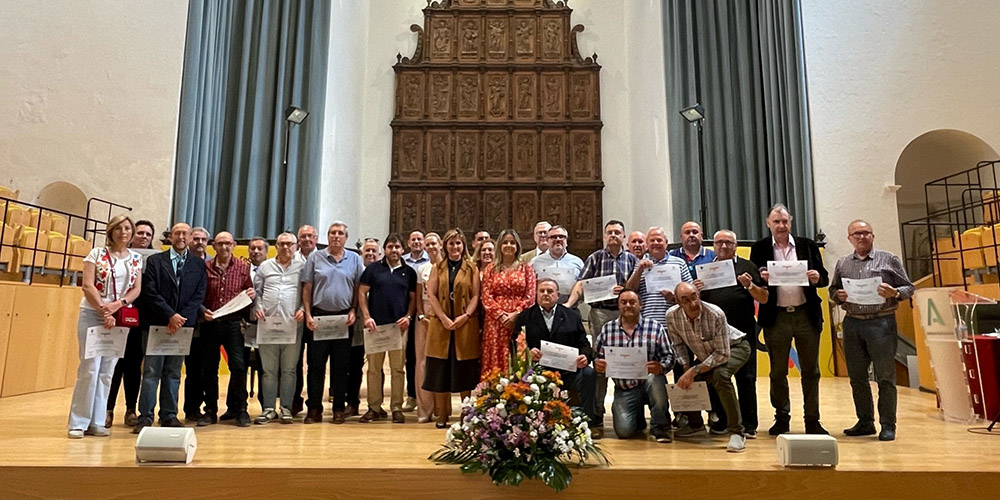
x=558, y=258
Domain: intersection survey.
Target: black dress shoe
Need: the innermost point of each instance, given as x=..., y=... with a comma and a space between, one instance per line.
x=296, y=407
x=143, y=422
x=243, y=419
x=208, y=419
x=228, y=415
x=779, y=427
x=382, y=413
x=815, y=428
x=193, y=417
x=171, y=422
x=860, y=429
x=887, y=434
x=313, y=417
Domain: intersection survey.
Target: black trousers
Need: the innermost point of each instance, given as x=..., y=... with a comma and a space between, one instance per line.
x=129, y=371
x=355, y=373
x=338, y=353
x=194, y=392
x=226, y=334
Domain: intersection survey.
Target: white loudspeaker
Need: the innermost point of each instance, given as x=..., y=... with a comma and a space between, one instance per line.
x=807, y=449
x=165, y=444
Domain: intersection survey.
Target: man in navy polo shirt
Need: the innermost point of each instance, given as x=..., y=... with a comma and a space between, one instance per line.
x=387, y=296
x=691, y=249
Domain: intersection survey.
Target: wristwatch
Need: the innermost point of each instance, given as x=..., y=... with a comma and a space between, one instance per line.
x=124, y=303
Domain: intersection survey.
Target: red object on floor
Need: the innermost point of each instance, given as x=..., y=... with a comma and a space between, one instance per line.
x=982, y=369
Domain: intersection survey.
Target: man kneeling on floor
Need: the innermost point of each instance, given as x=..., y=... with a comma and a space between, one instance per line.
x=720, y=351
x=631, y=395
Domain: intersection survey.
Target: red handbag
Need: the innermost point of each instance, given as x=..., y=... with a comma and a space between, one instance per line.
x=126, y=316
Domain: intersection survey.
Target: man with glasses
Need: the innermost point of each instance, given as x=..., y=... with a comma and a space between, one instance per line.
x=227, y=278
x=540, y=234
x=870, y=326
x=737, y=302
x=307, y=239
x=557, y=257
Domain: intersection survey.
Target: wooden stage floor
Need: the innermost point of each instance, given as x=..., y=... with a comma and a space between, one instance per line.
x=384, y=460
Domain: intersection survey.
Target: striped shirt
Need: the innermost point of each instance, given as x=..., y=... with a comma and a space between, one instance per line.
x=647, y=333
x=704, y=256
x=878, y=263
x=707, y=336
x=602, y=263
x=654, y=305
x=224, y=284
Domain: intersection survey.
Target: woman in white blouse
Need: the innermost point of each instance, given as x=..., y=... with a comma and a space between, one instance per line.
x=112, y=278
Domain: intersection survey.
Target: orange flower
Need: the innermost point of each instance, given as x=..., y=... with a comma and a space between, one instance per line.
x=559, y=412
x=522, y=409
x=553, y=376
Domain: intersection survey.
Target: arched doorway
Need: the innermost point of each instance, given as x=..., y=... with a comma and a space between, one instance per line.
x=65, y=197
x=931, y=156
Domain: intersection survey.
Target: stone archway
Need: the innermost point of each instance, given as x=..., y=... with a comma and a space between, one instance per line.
x=65, y=197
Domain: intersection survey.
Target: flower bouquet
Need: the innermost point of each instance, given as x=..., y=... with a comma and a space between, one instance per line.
x=517, y=425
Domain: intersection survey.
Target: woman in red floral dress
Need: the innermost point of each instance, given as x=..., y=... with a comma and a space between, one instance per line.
x=508, y=287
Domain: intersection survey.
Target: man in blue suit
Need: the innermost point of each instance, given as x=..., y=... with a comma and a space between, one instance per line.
x=173, y=290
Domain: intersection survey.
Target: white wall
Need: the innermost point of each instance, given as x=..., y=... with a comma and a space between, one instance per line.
x=627, y=38
x=880, y=75
x=89, y=93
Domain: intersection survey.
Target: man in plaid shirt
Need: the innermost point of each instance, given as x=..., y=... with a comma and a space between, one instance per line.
x=631, y=395
x=613, y=259
x=720, y=349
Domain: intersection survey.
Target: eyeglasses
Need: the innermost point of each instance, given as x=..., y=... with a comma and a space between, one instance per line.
x=724, y=243
x=557, y=236
x=862, y=234
x=285, y=243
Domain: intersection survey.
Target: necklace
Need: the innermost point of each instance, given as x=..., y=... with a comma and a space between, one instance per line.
x=454, y=265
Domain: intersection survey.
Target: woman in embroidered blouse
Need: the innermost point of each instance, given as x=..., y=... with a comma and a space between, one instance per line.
x=112, y=278
x=508, y=288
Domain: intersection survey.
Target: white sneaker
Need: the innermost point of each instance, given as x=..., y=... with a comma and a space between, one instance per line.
x=410, y=404
x=268, y=416
x=75, y=434
x=94, y=430
x=737, y=444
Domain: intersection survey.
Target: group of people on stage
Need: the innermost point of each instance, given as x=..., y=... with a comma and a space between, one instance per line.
x=457, y=307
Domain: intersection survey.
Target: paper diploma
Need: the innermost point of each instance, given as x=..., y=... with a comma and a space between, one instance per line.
x=625, y=362
x=863, y=291
x=250, y=336
x=240, y=301
x=558, y=356
x=276, y=330
x=719, y=274
x=105, y=342
x=662, y=277
x=787, y=273
x=694, y=398
x=564, y=276
x=599, y=288
x=384, y=338
x=161, y=343
x=330, y=327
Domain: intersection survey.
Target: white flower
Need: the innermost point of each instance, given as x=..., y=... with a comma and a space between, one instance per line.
x=533, y=434
x=504, y=382
x=527, y=400
x=500, y=387
x=534, y=388
x=552, y=386
x=517, y=452
x=576, y=420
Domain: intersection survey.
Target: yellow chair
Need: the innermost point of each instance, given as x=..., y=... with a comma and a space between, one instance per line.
x=57, y=246
x=950, y=267
x=10, y=194
x=78, y=249
x=59, y=224
x=40, y=220
x=11, y=236
x=17, y=215
x=990, y=236
x=972, y=255
x=29, y=257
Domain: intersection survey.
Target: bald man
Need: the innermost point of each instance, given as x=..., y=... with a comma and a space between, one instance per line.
x=227, y=277
x=692, y=251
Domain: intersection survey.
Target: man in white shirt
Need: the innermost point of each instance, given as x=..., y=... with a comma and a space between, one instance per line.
x=557, y=263
x=540, y=233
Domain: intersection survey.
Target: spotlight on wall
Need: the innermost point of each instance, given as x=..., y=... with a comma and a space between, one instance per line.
x=295, y=115
x=693, y=113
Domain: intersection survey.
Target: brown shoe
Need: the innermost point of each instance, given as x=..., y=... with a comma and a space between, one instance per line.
x=338, y=417
x=313, y=417
x=596, y=433
x=398, y=418
x=382, y=413
x=370, y=416
x=351, y=411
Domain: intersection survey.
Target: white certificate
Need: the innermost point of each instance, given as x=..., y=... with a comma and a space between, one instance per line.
x=276, y=330
x=250, y=336
x=161, y=343
x=330, y=327
x=625, y=362
x=599, y=288
x=694, y=398
x=662, y=277
x=787, y=273
x=385, y=338
x=558, y=356
x=240, y=301
x=105, y=342
x=718, y=274
x=564, y=276
x=863, y=291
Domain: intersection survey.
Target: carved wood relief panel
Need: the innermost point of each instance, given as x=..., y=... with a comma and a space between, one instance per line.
x=497, y=123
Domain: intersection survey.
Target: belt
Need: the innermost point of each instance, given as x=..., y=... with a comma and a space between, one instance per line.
x=791, y=309
x=873, y=316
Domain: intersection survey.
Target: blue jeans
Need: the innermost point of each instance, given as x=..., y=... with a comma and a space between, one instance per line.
x=872, y=342
x=163, y=372
x=628, y=409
